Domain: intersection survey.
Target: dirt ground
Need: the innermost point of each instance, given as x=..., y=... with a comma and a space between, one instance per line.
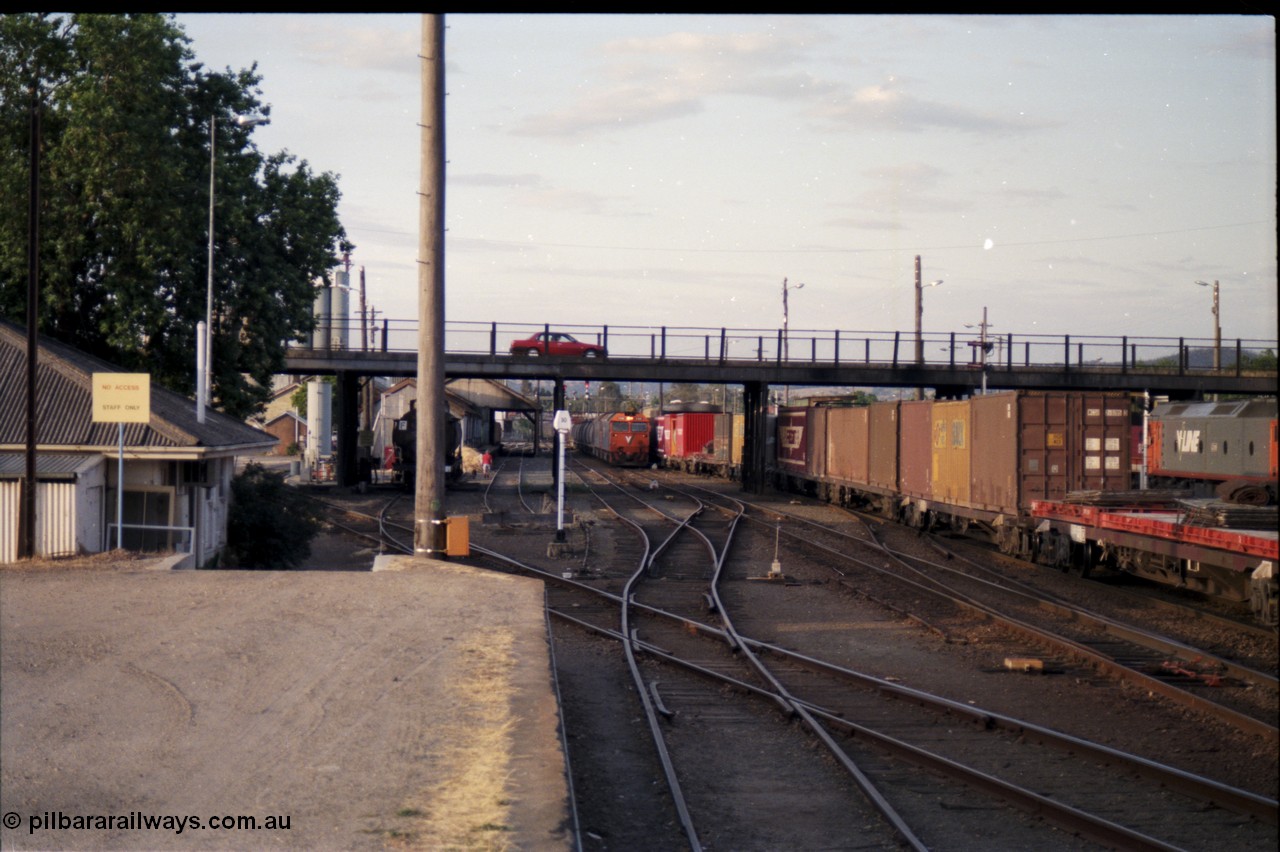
x=360, y=710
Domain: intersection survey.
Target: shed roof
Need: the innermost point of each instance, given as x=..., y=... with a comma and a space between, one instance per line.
x=49, y=466
x=64, y=403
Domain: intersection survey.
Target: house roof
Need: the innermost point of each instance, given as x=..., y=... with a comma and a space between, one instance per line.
x=64, y=402
x=487, y=393
x=287, y=415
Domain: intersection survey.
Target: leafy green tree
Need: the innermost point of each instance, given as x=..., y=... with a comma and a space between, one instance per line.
x=684, y=391
x=1264, y=360
x=269, y=525
x=125, y=117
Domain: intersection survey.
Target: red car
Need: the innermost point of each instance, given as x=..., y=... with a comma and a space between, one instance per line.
x=556, y=343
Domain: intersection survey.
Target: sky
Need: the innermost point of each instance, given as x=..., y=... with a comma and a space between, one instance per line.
x=1070, y=174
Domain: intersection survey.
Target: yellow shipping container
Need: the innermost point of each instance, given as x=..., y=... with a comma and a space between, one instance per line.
x=952, y=424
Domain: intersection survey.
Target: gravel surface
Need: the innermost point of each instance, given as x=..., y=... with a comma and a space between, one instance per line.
x=369, y=711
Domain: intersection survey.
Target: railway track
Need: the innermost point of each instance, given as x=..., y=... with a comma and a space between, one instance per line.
x=1194, y=677
x=689, y=626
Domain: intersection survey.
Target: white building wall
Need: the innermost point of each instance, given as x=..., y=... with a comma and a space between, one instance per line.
x=56, y=519
x=10, y=507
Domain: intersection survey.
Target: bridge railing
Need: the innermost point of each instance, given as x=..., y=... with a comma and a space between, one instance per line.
x=1173, y=355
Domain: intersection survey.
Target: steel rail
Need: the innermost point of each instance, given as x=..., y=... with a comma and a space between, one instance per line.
x=932, y=586
x=789, y=704
x=1206, y=789
x=1103, y=662
x=651, y=713
x=1128, y=632
x=1056, y=812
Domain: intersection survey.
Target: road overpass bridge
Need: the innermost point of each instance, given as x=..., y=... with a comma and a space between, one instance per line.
x=954, y=365
x=950, y=363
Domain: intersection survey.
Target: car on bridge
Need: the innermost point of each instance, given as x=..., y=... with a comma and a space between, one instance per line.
x=556, y=343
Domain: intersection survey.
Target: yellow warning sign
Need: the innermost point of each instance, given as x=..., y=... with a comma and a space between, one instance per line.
x=121, y=397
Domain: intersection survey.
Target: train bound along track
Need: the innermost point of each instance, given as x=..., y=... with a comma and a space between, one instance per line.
x=1050, y=477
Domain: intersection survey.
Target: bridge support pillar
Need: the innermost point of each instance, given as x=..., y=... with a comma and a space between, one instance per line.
x=348, y=470
x=755, y=397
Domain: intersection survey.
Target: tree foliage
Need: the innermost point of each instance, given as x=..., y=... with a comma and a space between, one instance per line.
x=270, y=525
x=125, y=116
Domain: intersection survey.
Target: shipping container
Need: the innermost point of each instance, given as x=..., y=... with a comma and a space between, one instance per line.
x=1072, y=442
x=792, y=439
x=994, y=462
x=695, y=434
x=915, y=449
x=816, y=459
x=848, y=445
x=731, y=434
x=952, y=427
x=882, y=462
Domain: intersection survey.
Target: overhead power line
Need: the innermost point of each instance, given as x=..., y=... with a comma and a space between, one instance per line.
x=834, y=250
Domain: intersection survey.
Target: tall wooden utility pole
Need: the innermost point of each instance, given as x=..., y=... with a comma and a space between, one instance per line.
x=27, y=534
x=428, y=509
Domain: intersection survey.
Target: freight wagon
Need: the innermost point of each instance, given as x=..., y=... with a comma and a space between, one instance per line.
x=976, y=463
x=1184, y=543
x=705, y=442
x=1046, y=476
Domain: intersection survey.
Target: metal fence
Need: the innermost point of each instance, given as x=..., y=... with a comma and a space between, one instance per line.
x=152, y=538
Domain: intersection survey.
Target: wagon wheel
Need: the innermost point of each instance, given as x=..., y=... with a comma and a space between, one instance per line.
x=531, y=353
x=591, y=353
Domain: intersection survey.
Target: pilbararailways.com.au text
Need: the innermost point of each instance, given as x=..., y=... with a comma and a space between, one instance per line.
x=138, y=821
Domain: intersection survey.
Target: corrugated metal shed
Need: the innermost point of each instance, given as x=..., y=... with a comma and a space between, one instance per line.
x=64, y=416
x=49, y=466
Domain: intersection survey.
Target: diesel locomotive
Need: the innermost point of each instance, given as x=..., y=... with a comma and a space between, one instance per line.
x=621, y=437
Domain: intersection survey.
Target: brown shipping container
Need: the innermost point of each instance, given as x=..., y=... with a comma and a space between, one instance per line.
x=915, y=448
x=1072, y=442
x=847, y=444
x=792, y=441
x=952, y=426
x=882, y=462
x=994, y=457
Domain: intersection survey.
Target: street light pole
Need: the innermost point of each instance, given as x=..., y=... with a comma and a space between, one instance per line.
x=919, y=321
x=204, y=377
x=1217, y=327
x=786, y=343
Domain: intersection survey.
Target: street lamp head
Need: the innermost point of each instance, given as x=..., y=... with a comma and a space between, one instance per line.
x=1204, y=283
x=251, y=120
x=935, y=283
